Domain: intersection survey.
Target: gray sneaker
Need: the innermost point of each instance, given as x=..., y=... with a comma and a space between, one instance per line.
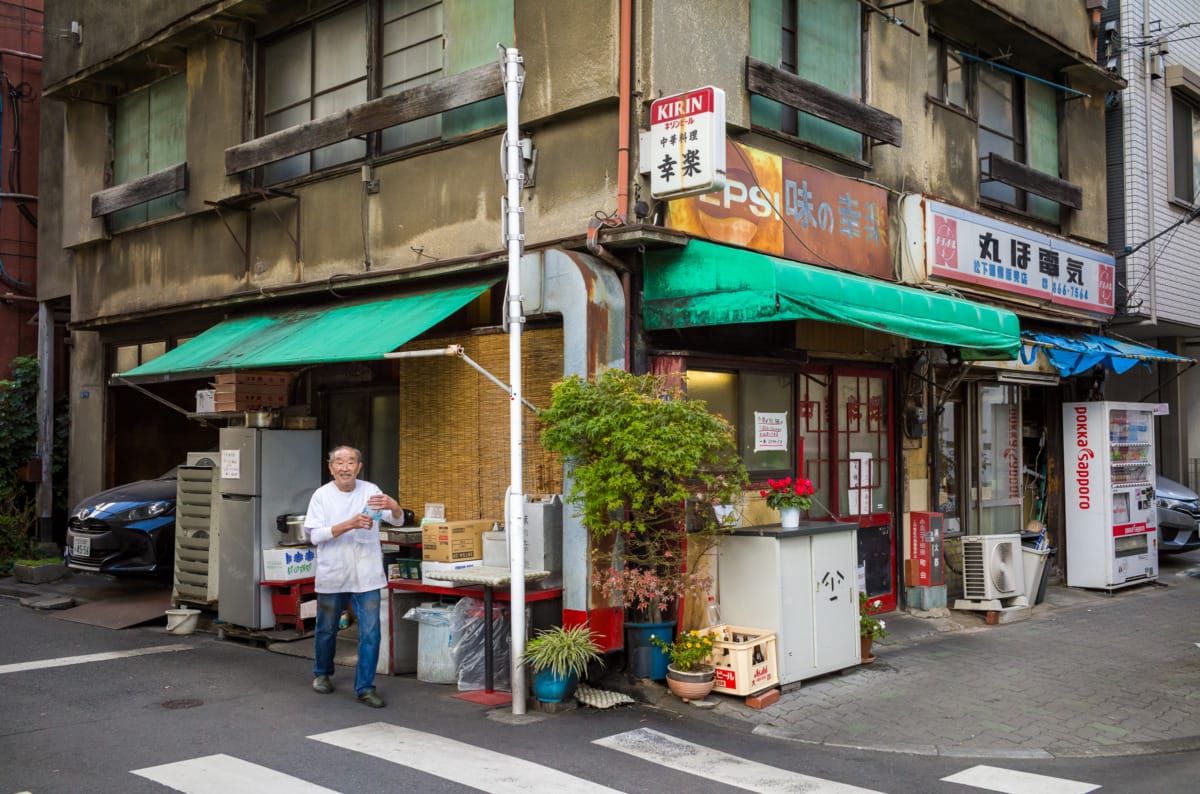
x=371, y=699
x=322, y=684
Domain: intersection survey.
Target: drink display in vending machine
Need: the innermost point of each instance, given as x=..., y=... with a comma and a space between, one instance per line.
x=1112, y=520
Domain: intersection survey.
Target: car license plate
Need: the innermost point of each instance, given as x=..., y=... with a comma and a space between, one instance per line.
x=81, y=546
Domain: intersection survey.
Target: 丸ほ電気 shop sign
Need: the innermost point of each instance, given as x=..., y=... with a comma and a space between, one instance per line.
x=966, y=246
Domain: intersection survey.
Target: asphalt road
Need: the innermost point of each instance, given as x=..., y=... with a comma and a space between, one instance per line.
x=200, y=714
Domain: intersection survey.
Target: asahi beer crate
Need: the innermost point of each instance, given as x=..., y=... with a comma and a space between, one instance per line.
x=744, y=660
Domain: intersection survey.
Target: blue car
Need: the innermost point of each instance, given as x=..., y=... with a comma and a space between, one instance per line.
x=129, y=529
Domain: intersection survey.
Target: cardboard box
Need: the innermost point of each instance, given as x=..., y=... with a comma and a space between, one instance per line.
x=288, y=563
x=204, y=401
x=430, y=570
x=453, y=540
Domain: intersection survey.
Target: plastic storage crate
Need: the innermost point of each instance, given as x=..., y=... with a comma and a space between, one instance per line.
x=733, y=658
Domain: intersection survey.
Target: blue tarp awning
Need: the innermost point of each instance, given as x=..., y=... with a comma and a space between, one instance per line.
x=1073, y=355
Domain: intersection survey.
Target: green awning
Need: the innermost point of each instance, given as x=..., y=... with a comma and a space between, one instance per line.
x=709, y=284
x=316, y=335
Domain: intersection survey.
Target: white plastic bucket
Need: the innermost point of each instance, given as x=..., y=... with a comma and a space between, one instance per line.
x=182, y=621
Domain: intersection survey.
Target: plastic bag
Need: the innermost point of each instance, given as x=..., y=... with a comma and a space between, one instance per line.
x=433, y=615
x=467, y=629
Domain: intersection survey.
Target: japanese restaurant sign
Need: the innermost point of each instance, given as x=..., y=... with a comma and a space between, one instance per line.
x=687, y=143
x=966, y=246
x=789, y=209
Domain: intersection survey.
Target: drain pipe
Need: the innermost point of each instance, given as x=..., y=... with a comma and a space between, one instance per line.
x=625, y=107
x=1151, y=278
x=624, y=121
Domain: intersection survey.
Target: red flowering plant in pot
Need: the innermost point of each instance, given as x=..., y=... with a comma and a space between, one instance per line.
x=789, y=496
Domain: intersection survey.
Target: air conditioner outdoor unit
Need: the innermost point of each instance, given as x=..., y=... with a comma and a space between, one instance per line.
x=197, y=531
x=992, y=567
x=203, y=459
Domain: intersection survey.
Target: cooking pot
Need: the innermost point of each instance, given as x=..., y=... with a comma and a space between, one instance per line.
x=291, y=526
x=263, y=418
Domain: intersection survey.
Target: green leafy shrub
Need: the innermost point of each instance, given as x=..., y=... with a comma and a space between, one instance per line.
x=18, y=446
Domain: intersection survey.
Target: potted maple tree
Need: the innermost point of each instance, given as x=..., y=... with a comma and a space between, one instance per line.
x=648, y=469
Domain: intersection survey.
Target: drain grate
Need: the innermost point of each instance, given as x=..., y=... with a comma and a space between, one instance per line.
x=182, y=703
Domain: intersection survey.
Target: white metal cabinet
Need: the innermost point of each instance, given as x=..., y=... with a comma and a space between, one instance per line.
x=799, y=583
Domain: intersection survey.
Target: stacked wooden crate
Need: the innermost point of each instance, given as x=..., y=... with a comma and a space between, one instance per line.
x=250, y=391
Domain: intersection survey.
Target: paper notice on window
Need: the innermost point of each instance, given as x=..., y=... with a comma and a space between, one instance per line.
x=858, y=495
x=770, y=431
x=231, y=464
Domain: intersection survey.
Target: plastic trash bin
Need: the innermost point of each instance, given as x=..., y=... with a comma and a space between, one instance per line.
x=1033, y=565
x=435, y=658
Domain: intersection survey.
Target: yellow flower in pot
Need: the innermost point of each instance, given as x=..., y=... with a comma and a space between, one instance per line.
x=689, y=675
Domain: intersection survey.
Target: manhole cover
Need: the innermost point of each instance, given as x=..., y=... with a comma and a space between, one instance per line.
x=182, y=703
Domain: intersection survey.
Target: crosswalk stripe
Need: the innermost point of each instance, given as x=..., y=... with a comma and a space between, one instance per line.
x=221, y=774
x=63, y=661
x=453, y=760
x=1009, y=781
x=660, y=748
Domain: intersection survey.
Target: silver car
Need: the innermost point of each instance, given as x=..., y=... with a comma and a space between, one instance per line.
x=1178, y=517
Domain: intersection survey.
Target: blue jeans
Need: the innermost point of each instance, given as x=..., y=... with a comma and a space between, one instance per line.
x=366, y=612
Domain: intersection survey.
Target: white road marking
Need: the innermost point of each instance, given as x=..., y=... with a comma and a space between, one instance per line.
x=1009, y=781
x=668, y=751
x=453, y=760
x=63, y=661
x=222, y=774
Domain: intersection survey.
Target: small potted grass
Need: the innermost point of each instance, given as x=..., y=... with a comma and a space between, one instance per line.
x=558, y=657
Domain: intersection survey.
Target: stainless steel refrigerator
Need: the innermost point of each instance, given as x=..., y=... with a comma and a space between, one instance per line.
x=263, y=473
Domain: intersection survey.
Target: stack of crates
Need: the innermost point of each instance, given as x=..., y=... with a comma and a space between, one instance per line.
x=250, y=391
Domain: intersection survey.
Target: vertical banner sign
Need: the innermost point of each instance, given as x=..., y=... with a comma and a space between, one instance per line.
x=926, y=545
x=687, y=143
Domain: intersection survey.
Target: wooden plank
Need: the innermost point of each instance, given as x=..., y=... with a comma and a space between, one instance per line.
x=795, y=92
x=1022, y=177
x=482, y=82
x=144, y=188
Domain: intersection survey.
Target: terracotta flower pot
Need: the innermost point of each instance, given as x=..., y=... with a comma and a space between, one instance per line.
x=867, y=657
x=690, y=684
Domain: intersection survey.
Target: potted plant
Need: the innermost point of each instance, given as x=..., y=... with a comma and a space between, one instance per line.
x=870, y=628
x=648, y=468
x=689, y=675
x=558, y=657
x=789, y=497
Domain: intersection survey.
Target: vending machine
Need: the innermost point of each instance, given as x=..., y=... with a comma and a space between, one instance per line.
x=1112, y=521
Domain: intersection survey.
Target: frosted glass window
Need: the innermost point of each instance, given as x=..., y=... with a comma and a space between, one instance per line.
x=340, y=45
x=287, y=70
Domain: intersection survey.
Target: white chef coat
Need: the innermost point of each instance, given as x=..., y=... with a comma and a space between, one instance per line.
x=353, y=561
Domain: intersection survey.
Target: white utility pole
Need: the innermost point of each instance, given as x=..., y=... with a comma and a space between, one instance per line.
x=514, y=78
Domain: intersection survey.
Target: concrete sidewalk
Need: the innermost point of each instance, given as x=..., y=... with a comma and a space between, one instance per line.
x=1088, y=674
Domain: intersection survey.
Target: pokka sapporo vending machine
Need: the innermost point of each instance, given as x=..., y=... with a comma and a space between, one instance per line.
x=1112, y=522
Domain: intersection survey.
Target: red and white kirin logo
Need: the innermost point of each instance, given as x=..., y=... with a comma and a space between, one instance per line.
x=945, y=241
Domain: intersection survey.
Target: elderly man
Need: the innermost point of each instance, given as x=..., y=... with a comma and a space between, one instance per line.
x=343, y=522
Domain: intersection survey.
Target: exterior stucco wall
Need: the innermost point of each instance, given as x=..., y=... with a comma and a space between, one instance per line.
x=87, y=416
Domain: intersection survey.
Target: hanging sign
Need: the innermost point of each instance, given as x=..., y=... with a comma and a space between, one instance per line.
x=687, y=143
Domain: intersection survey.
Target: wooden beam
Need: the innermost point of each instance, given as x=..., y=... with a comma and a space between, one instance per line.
x=1022, y=177
x=152, y=186
x=474, y=85
x=785, y=87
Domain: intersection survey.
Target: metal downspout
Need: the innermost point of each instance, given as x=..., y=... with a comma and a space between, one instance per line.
x=624, y=104
x=1152, y=279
